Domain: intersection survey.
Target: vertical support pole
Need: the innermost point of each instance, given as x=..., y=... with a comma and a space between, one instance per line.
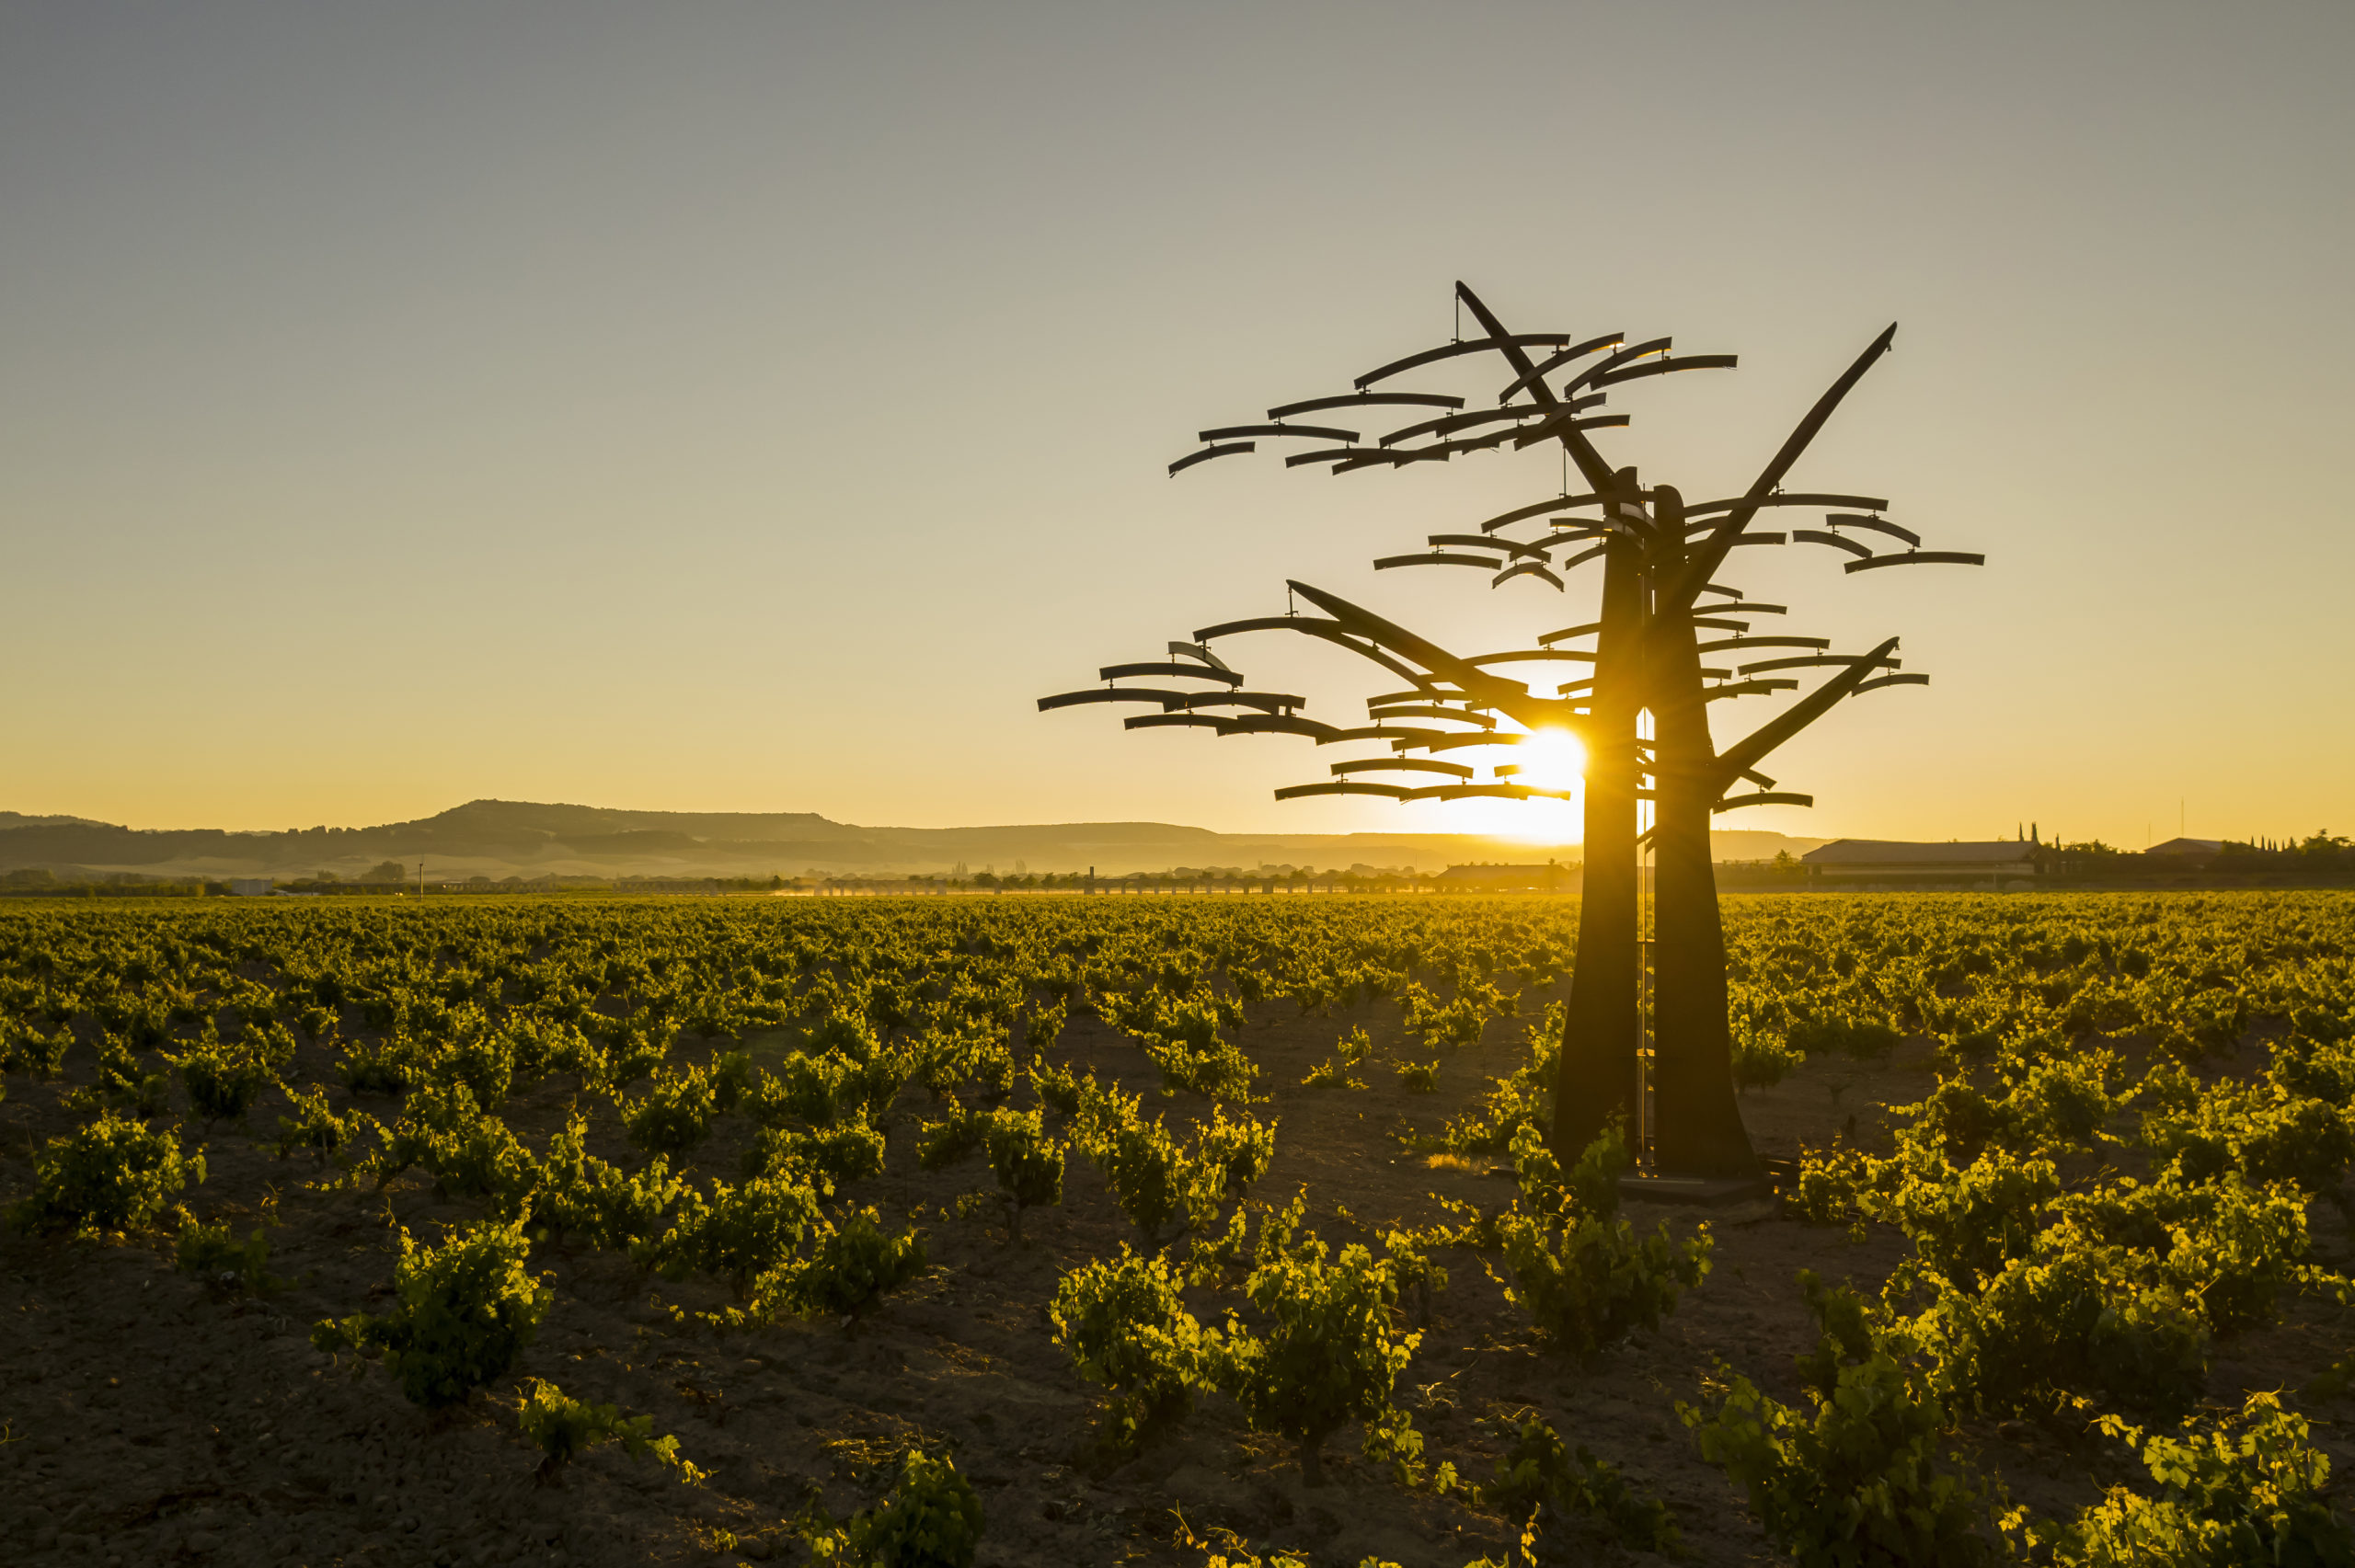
x=1646, y=1129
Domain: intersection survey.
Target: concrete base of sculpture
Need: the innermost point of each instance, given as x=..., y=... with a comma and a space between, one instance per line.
x=1708, y=1192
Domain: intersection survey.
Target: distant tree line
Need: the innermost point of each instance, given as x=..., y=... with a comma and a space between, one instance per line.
x=1181, y=879
x=40, y=882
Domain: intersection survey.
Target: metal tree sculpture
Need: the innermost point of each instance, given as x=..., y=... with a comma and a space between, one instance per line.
x=1650, y=634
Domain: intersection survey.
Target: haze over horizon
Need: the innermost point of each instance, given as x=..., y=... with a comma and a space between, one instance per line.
x=494, y=839
x=713, y=409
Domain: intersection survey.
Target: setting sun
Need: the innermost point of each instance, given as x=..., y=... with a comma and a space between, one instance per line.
x=1551, y=758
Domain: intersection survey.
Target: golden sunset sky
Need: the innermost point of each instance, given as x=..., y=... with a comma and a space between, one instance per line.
x=757, y=407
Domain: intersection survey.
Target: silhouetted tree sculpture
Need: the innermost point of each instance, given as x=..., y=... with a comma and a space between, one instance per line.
x=1657, y=614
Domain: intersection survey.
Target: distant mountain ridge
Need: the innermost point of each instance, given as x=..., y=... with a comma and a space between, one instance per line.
x=501, y=838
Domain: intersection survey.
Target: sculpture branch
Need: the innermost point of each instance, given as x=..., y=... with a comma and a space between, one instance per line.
x=1589, y=462
x=1753, y=749
x=1703, y=562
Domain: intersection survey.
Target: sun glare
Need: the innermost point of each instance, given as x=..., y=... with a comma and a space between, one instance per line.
x=1551, y=758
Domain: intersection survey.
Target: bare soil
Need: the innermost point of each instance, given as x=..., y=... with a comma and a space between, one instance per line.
x=150, y=1418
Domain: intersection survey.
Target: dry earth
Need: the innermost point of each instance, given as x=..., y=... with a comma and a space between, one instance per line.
x=151, y=1420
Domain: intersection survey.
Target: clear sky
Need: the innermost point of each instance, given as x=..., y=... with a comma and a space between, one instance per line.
x=756, y=407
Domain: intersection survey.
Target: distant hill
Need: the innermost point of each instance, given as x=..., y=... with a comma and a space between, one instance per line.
x=499, y=838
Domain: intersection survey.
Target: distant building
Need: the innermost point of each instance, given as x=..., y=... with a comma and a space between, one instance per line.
x=2188, y=846
x=1546, y=878
x=1884, y=860
x=250, y=886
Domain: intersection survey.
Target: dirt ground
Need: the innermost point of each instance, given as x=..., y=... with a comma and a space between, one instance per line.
x=149, y=1419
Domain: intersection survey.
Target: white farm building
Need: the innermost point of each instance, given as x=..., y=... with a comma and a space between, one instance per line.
x=1888, y=862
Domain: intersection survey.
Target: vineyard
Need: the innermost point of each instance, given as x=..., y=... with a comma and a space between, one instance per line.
x=1174, y=1231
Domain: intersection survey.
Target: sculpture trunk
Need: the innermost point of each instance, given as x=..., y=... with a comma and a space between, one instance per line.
x=1596, y=1079
x=1697, y=1128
